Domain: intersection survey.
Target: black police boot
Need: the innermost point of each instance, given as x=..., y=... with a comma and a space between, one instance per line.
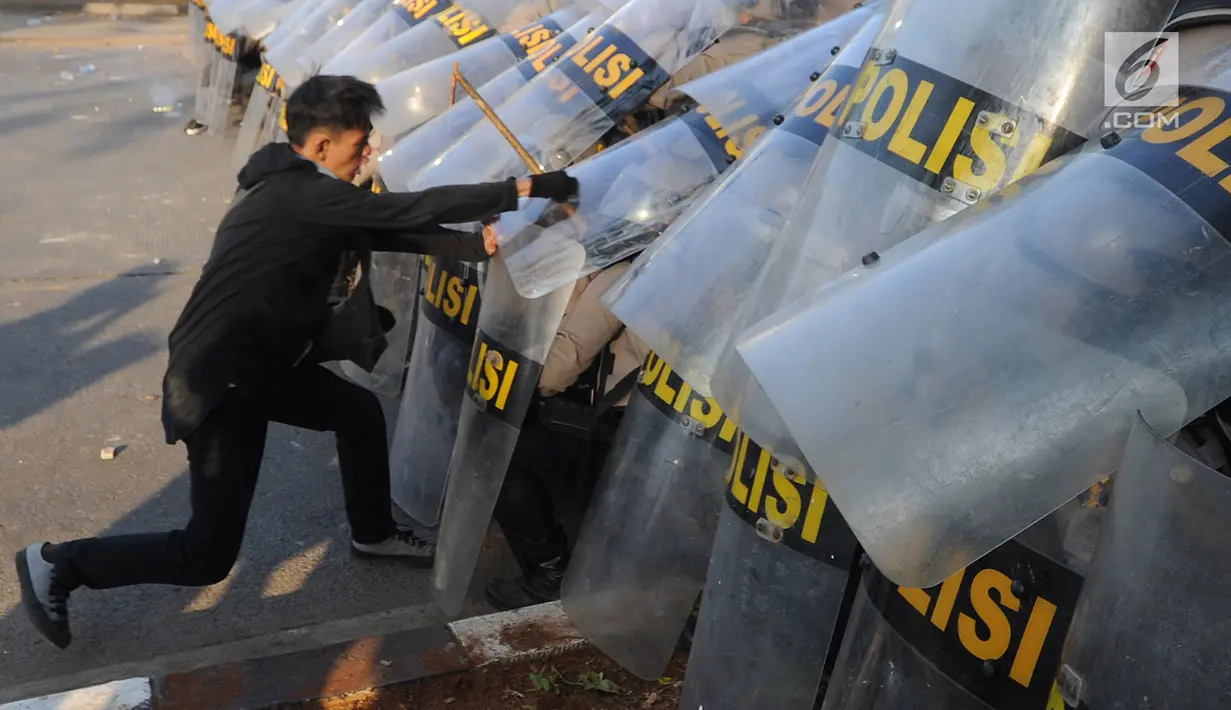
x=543, y=564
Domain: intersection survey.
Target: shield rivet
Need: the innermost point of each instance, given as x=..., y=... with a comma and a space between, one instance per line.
x=949, y=185
x=1018, y=589
x=1109, y=140
x=972, y=194
x=870, y=258
x=834, y=50
x=1070, y=684
x=769, y=531
x=989, y=669
x=779, y=119
x=815, y=75
x=854, y=129
x=1007, y=128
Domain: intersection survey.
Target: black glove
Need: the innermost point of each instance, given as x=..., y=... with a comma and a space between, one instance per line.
x=557, y=186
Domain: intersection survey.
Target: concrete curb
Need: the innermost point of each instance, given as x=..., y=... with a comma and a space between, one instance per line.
x=131, y=694
x=338, y=669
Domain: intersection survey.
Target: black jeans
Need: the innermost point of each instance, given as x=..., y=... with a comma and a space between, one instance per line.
x=224, y=460
x=548, y=487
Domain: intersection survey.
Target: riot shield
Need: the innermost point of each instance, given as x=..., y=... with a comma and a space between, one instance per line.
x=262, y=17
x=435, y=384
x=989, y=637
x=1035, y=326
x=196, y=34
x=223, y=15
x=632, y=191
x=418, y=94
x=412, y=152
x=568, y=106
x=345, y=31
x=395, y=285
x=639, y=565
x=203, y=97
x=927, y=131
x=776, y=582
x=294, y=21
x=750, y=203
x=636, y=52
x=226, y=70
x=442, y=29
x=261, y=104
x=513, y=338
x=1152, y=624
x=284, y=56
x=432, y=398
x=643, y=550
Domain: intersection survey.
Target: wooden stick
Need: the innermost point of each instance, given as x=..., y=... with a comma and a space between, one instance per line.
x=453, y=86
x=491, y=116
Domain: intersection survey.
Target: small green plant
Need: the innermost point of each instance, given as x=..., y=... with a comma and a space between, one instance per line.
x=543, y=681
x=596, y=681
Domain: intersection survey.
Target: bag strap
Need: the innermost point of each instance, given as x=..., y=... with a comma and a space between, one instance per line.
x=622, y=388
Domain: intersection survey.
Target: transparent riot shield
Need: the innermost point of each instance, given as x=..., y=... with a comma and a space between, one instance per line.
x=287, y=27
x=776, y=581
x=643, y=550
x=262, y=17
x=930, y=128
x=202, y=106
x=1035, y=326
x=395, y=285
x=580, y=116
x=418, y=94
x=345, y=31
x=196, y=34
x=567, y=107
x=750, y=204
x=445, y=28
x=252, y=129
x=513, y=338
x=223, y=15
x=638, y=565
x=1152, y=624
x=632, y=191
x=435, y=384
x=417, y=149
x=988, y=638
x=226, y=70
x=284, y=56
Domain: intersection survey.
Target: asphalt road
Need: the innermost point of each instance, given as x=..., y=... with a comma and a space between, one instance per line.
x=106, y=214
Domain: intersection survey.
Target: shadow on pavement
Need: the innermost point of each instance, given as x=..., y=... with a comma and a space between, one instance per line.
x=51, y=355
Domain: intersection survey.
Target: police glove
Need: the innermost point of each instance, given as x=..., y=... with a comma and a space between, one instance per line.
x=557, y=186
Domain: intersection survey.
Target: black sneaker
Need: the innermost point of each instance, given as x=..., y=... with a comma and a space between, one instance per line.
x=540, y=586
x=43, y=595
x=404, y=545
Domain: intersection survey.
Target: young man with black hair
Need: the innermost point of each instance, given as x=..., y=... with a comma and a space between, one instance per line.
x=248, y=346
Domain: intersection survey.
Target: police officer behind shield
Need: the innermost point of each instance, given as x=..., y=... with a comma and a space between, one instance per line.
x=564, y=441
x=248, y=346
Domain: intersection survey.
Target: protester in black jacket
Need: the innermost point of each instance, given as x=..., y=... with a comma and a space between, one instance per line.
x=247, y=347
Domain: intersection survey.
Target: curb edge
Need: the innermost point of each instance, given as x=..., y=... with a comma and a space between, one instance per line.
x=540, y=631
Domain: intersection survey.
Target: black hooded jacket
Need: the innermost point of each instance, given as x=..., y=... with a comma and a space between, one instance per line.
x=263, y=294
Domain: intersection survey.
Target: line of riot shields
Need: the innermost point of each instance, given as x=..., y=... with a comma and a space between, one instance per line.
x=932, y=412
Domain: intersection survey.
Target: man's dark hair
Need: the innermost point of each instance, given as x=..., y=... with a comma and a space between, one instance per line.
x=336, y=103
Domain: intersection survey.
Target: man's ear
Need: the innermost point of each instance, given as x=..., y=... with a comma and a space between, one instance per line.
x=316, y=145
